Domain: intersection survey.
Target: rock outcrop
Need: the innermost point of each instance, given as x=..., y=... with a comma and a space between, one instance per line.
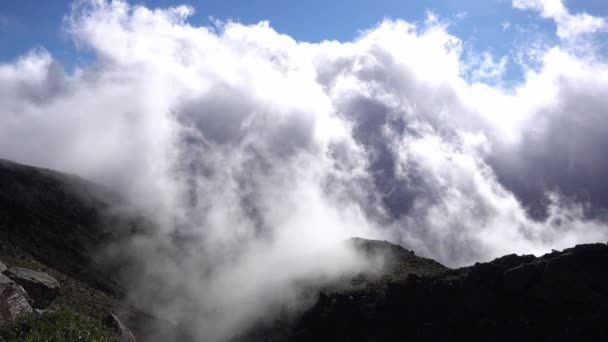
x=13, y=299
x=41, y=287
x=561, y=296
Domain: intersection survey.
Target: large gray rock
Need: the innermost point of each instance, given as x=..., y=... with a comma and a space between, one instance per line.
x=41, y=287
x=2, y=267
x=13, y=299
x=120, y=331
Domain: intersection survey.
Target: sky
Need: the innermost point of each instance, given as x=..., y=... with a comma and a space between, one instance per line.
x=463, y=132
x=492, y=25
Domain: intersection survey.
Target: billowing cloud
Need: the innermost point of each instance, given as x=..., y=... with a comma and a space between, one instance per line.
x=257, y=155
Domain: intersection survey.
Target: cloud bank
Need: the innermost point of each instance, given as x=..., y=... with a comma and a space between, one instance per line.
x=266, y=153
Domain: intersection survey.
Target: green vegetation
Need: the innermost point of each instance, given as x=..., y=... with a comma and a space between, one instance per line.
x=62, y=325
x=74, y=294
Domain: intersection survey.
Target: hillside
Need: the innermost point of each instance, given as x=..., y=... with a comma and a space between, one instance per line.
x=561, y=296
x=57, y=223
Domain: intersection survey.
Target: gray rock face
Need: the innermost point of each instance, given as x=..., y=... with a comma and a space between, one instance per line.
x=41, y=287
x=2, y=267
x=13, y=299
x=120, y=331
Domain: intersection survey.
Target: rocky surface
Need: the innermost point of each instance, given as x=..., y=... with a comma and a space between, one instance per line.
x=60, y=220
x=351, y=303
x=13, y=299
x=41, y=287
x=561, y=296
x=56, y=223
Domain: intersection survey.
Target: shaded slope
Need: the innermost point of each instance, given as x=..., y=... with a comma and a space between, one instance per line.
x=351, y=306
x=61, y=224
x=561, y=296
x=58, y=219
x=57, y=223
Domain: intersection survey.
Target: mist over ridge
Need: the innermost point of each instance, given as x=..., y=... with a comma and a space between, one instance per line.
x=267, y=153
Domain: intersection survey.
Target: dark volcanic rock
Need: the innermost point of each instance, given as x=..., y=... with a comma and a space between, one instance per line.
x=13, y=299
x=561, y=296
x=41, y=287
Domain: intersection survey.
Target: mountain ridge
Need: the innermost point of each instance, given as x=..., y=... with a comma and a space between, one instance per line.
x=58, y=223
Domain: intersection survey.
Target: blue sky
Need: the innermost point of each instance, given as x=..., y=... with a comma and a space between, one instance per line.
x=26, y=24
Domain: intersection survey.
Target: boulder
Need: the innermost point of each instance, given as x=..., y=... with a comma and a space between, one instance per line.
x=120, y=331
x=13, y=299
x=41, y=287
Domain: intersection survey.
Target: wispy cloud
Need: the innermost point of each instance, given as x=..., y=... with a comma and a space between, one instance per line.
x=461, y=15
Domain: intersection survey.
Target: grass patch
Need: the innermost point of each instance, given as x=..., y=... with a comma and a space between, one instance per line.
x=62, y=325
x=74, y=294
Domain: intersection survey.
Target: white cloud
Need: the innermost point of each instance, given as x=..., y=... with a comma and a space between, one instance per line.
x=569, y=26
x=267, y=152
x=483, y=67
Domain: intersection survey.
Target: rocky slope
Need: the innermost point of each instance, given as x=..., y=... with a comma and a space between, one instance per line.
x=56, y=224
x=561, y=296
x=58, y=219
